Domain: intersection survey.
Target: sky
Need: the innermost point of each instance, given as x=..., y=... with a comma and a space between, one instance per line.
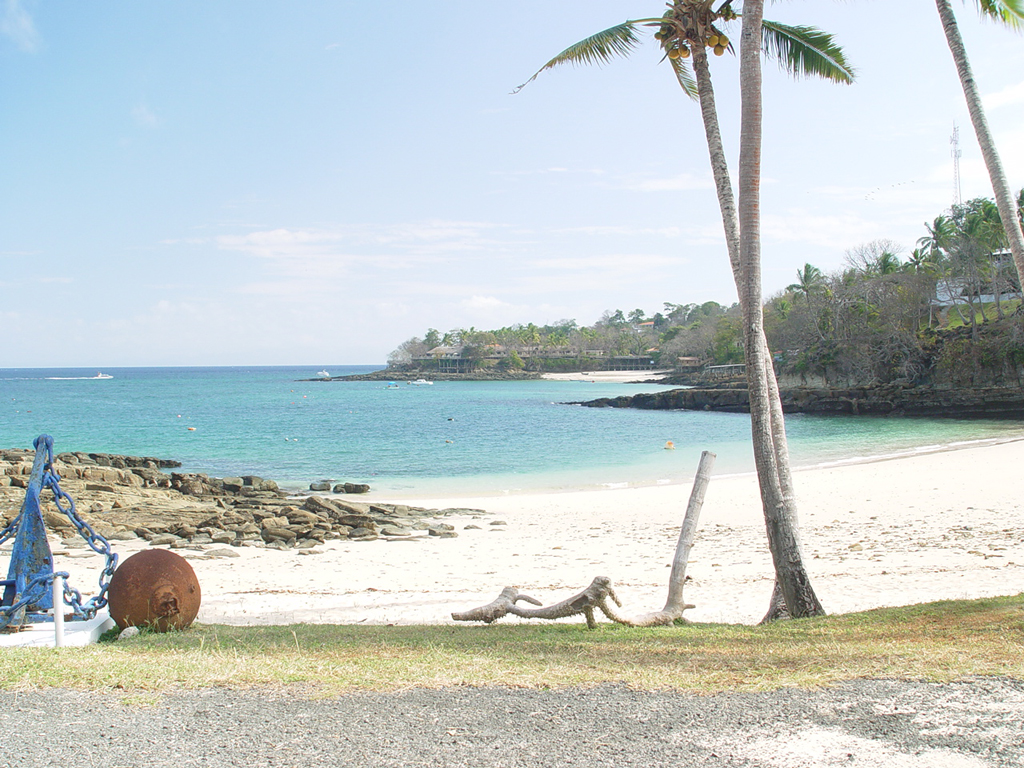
x=311, y=182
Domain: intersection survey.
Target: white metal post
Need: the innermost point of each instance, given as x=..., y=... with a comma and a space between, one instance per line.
x=58, y=612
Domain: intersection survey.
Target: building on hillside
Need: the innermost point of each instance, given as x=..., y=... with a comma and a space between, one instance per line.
x=725, y=371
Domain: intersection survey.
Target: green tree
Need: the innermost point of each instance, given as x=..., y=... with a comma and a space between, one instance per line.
x=808, y=280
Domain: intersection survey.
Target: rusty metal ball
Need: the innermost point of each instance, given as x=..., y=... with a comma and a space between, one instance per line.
x=156, y=589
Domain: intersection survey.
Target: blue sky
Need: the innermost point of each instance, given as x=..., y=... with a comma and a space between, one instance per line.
x=236, y=183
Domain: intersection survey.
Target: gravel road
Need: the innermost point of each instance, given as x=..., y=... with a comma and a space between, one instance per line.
x=864, y=724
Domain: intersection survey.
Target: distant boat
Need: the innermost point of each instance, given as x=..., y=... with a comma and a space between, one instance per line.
x=323, y=374
x=421, y=382
x=392, y=385
x=102, y=375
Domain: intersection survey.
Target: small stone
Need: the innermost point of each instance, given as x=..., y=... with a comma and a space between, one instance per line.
x=122, y=536
x=222, y=552
x=128, y=633
x=472, y=527
x=442, y=533
x=498, y=522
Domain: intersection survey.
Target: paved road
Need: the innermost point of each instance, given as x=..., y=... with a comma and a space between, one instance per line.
x=865, y=724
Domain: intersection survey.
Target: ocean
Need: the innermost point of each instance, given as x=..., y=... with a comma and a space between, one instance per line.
x=448, y=438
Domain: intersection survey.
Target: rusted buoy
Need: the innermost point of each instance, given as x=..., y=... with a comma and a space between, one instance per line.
x=156, y=589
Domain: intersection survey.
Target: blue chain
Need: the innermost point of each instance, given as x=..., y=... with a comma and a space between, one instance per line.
x=37, y=587
x=98, y=544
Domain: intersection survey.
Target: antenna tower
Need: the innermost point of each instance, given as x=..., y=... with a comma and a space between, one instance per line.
x=955, y=141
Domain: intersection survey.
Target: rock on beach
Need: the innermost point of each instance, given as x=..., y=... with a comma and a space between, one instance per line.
x=127, y=497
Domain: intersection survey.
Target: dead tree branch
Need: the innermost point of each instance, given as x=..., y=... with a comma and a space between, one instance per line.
x=600, y=595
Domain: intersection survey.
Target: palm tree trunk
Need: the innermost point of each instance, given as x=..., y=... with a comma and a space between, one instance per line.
x=727, y=204
x=1004, y=198
x=730, y=223
x=776, y=495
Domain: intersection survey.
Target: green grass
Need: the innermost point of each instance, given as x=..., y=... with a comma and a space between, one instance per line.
x=936, y=641
x=984, y=313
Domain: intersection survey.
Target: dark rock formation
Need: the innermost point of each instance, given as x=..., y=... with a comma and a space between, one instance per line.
x=987, y=402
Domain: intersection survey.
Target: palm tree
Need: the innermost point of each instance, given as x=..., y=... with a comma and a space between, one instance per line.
x=940, y=234
x=793, y=593
x=1011, y=13
x=887, y=263
x=808, y=280
x=686, y=30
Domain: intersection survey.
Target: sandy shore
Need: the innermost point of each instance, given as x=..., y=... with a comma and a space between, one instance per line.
x=608, y=377
x=902, y=531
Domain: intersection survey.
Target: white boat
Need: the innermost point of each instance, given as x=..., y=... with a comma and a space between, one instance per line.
x=102, y=375
x=420, y=382
x=323, y=374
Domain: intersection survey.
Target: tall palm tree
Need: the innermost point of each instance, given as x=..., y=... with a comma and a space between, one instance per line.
x=808, y=280
x=687, y=30
x=887, y=263
x=771, y=456
x=1011, y=13
x=939, y=237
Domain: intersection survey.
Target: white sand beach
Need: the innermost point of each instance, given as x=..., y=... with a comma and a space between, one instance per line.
x=941, y=525
x=609, y=377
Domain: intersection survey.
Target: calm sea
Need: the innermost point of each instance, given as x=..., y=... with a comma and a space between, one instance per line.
x=445, y=438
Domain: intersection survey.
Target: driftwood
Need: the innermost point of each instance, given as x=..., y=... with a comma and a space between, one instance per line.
x=600, y=595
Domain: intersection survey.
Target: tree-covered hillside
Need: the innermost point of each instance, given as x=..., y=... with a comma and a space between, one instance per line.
x=947, y=312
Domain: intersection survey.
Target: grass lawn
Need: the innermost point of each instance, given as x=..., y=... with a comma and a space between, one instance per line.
x=937, y=641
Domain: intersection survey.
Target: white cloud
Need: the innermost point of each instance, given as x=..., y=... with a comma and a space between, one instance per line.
x=796, y=225
x=16, y=24
x=618, y=262
x=144, y=116
x=1012, y=94
x=603, y=231
x=399, y=244
x=683, y=182
x=484, y=303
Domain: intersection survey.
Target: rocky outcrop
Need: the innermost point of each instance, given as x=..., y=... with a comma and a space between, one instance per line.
x=988, y=402
x=125, y=498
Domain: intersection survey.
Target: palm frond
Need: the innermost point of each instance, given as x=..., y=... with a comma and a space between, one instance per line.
x=601, y=48
x=804, y=51
x=1008, y=12
x=685, y=77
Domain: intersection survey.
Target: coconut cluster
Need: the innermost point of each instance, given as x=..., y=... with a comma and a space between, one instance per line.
x=679, y=34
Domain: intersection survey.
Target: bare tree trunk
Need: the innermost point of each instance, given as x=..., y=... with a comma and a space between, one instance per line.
x=777, y=500
x=1004, y=197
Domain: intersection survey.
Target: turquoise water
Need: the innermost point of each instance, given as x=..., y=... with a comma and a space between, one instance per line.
x=448, y=438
